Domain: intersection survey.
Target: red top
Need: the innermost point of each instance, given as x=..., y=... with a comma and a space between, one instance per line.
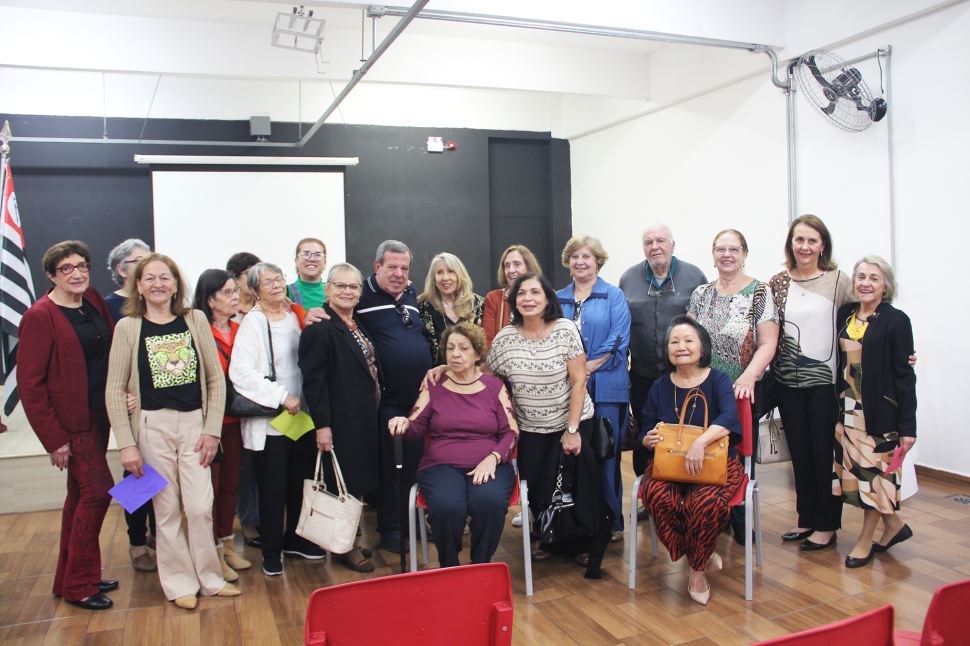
x=224, y=351
x=497, y=313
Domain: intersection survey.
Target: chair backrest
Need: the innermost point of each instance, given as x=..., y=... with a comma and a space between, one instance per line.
x=873, y=628
x=747, y=424
x=470, y=604
x=948, y=617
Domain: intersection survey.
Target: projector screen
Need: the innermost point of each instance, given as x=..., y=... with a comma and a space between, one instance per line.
x=203, y=217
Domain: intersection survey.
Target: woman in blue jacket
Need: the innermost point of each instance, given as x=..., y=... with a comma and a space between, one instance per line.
x=601, y=313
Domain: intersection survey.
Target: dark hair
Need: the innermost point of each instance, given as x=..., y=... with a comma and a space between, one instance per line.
x=239, y=263
x=55, y=254
x=683, y=319
x=553, y=310
x=210, y=282
x=135, y=305
x=474, y=334
x=825, y=262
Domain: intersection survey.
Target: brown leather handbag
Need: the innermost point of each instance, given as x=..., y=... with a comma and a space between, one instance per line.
x=669, y=455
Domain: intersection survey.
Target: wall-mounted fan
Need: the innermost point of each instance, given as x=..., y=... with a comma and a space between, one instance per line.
x=838, y=93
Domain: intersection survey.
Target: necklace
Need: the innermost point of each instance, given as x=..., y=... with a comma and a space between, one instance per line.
x=677, y=410
x=463, y=383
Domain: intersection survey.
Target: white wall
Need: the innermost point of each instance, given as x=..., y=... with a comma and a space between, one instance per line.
x=719, y=160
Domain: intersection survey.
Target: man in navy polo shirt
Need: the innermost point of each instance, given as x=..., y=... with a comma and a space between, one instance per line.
x=388, y=309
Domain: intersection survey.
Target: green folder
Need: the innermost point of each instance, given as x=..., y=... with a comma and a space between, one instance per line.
x=293, y=426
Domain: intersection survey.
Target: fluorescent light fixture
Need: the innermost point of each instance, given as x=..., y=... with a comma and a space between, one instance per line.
x=298, y=30
x=235, y=160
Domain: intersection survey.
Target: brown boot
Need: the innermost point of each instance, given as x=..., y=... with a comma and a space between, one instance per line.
x=142, y=558
x=227, y=572
x=233, y=558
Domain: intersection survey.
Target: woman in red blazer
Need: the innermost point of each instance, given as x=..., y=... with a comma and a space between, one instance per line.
x=62, y=368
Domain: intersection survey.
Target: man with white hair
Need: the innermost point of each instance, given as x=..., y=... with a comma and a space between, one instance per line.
x=656, y=290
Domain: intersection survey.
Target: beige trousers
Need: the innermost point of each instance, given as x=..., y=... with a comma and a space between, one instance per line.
x=187, y=558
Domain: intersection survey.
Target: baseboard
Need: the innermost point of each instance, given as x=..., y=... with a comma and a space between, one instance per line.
x=941, y=474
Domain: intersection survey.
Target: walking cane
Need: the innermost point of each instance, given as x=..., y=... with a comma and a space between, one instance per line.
x=402, y=493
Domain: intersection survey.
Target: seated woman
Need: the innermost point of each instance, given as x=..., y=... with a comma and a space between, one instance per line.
x=689, y=517
x=465, y=469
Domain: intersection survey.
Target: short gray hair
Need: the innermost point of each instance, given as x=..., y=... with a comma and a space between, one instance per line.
x=655, y=226
x=394, y=246
x=256, y=274
x=119, y=253
x=342, y=267
x=887, y=273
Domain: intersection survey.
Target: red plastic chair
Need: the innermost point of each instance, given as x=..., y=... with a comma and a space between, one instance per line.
x=947, y=620
x=874, y=628
x=469, y=605
x=746, y=493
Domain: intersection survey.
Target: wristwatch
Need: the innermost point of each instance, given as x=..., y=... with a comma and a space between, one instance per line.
x=572, y=430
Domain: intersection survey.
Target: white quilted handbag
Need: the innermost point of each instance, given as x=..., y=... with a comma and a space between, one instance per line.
x=329, y=520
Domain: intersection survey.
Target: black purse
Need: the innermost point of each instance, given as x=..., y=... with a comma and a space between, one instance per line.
x=602, y=438
x=557, y=522
x=239, y=406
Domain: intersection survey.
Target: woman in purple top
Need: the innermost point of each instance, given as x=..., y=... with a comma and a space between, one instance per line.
x=469, y=429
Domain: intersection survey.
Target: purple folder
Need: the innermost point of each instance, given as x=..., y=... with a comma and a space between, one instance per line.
x=131, y=493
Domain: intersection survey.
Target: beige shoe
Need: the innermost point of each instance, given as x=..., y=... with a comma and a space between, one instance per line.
x=232, y=557
x=699, y=597
x=229, y=590
x=715, y=563
x=227, y=572
x=142, y=558
x=189, y=602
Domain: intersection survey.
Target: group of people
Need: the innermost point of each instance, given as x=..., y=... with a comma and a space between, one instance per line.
x=525, y=373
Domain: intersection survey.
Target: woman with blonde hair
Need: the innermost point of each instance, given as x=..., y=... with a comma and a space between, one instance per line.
x=514, y=261
x=447, y=300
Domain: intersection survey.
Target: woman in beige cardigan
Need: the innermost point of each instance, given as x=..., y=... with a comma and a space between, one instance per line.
x=164, y=352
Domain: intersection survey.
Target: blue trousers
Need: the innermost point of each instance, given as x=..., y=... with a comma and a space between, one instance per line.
x=610, y=471
x=452, y=498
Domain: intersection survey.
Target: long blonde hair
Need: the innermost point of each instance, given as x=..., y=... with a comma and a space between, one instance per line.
x=464, y=296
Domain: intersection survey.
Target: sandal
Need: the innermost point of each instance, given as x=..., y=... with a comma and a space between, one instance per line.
x=357, y=561
x=541, y=555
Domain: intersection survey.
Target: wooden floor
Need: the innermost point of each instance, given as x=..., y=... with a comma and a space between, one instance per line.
x=793, y=590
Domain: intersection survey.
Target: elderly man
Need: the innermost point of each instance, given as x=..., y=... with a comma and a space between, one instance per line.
x=388, y=308
x=656, y=290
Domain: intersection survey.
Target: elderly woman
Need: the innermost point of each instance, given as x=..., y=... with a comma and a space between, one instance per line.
x=689, y=517
x=738, y=313
x=514, y=261
x=447, y=299
x=807, y=297
x=264, y=369
x=62, y=367
x=602, y=315
x=163, y=352
x=121, y=261
x=341, y=386
x=238, y=267
x=466, y=422
x=217, y=296
x=877, y=424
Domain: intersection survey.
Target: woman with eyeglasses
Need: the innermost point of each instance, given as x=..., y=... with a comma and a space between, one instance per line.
x=264, y=369
x=738, y=313
x=447, y=300
x=164, y=353
x=307, y=290
x=341, y=386
x=217, y=296
x=602, y=315
x=62, y=367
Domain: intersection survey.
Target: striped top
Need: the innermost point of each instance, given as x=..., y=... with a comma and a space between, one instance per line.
x=536, y=371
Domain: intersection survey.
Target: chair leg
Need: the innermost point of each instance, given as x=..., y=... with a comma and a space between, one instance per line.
x=526, y=536
x=423, y=532
x=632, y=536
x=759, y=548
x=748, y=522
x=412, y=498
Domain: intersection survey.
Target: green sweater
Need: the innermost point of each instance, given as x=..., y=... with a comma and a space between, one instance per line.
x=306, y=294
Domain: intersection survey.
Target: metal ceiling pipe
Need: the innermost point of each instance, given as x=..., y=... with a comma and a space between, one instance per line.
x=409, y=15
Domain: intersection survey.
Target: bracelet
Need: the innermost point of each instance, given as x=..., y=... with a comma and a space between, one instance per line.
x=498, y=458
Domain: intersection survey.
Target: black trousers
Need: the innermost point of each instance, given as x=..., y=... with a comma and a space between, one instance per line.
x=281, y=468
x=137, y=521
x=388, y=494
x=452, y=497
x=639, y=388
x=809, y=416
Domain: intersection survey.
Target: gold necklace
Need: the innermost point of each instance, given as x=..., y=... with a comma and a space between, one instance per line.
x=677, y=410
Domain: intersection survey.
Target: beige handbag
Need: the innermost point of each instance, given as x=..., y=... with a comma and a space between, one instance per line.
x=772, y=444
x=327, y=519
x=669, y=455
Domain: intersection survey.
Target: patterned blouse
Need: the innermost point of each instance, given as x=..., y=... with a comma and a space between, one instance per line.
x=536, y=371
x=732, y=323
x=435, y=323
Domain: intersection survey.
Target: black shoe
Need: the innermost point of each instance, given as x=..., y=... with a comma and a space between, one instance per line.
x=904, y=534
x=791, y=537
x=811, y=546
x=308, y=550
x=107, y=585
x=853, y=562
x=272, y=564
x=94, y=602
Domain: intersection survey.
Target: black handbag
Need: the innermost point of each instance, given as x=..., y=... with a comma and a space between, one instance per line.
x=558, y=522
x=765, y=396
x=239, y=406
x=602, y=438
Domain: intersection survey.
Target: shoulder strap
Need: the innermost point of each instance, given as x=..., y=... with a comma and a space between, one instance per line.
x=222, y=351
x=272, y=355
x=295, y=292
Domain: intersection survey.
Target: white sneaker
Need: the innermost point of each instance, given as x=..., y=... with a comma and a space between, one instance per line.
x=517, y=520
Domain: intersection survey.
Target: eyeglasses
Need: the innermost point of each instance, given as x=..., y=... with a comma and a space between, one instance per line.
x=67, y=268
x=346, y=287
x=727, y=251
x=406, y=319
x=229, y=292
x=270, y=282
x=133, y=261
x=578, y=312
x=312, y=255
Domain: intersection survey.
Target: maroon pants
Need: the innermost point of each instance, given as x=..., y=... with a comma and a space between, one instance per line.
x=690, y=517
x=88, y=480
x=225, y=481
